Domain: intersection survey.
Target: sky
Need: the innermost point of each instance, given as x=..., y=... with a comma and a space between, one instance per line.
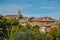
x=31, y=8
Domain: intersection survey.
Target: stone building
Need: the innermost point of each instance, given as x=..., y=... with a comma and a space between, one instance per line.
x=43, y=22
x=18, y=16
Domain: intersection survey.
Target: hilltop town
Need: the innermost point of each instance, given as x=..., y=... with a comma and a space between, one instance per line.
x=43, y=22
x=13, y=27
x=37, y=20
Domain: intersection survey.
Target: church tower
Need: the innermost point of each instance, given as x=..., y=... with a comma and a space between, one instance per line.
x=19, y=14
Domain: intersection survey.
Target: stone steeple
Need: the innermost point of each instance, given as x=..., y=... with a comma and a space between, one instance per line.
x=19, y=14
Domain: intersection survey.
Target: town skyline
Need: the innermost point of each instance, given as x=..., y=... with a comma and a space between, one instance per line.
x=32, y=8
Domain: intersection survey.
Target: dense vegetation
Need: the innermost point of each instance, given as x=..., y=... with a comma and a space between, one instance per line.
x=11, y=30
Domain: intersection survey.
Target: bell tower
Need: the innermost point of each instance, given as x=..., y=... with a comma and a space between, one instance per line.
x=19, y=14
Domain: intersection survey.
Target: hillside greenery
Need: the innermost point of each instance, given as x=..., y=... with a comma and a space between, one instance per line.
x=11, y=30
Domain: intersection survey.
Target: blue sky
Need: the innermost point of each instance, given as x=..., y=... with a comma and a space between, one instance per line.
x=35, y=8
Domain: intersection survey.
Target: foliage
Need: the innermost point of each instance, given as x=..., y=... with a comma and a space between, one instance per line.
x=25, y=32
x=14, y=30
x=25, y=36
x=5, y=24
x=36, y=32
x=2, y=21
x=3, y=31
x=20, y=32
x=55, y=32
x=12, y=22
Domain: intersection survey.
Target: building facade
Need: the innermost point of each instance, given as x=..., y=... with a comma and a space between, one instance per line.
x=18, y=16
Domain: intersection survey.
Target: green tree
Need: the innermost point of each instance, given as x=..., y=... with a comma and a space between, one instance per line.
x=18, y=32
x=55, y=32
x=49, y=36
x=12, y=22
x=25, y=36
x=35, y=30
x=13, y=33
x=3, y=31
